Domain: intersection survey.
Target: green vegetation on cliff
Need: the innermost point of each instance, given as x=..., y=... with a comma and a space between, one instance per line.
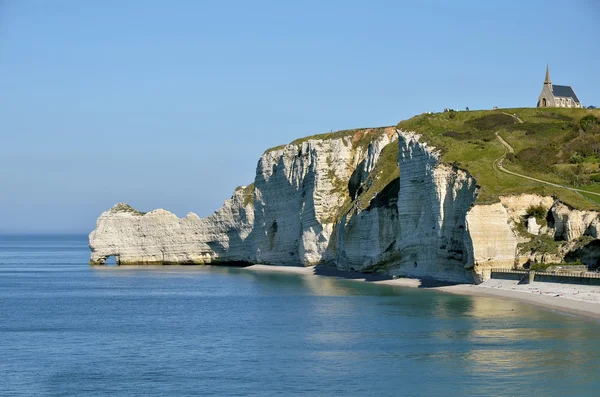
x=383, y=174
x=247, y=193
x=560, y=146
x=361, y=137
x=123, y=207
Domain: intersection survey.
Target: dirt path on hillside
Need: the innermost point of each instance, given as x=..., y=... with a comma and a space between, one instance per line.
x=509, y=149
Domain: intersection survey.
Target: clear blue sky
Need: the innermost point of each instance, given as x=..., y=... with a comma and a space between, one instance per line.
x=170, y=103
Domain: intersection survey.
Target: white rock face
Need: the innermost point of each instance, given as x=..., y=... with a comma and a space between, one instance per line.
x=492, y=243
x=433, y=201
x=532, y=226
x=571, y=224
x=498, y=232
x=300, y=190
x=517, y=205
x=159, y=237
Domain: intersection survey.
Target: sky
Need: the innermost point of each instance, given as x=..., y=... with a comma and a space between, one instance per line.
x=169, y=104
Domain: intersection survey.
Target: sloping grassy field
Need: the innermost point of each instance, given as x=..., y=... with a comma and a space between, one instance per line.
x=555, y=145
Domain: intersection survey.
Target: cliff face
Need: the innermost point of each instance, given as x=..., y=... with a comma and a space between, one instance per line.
x=339, y=200
x=286, y=218
x=301, y=190
x=570, y=224
x=366, y=240
x=506, y=235
x=432, y=205
x=492, y=242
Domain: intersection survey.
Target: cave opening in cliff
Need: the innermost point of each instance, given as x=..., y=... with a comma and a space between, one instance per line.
x=550, y=219
x=271, y=234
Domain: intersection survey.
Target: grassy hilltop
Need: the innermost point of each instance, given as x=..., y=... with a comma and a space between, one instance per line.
x=561, y=146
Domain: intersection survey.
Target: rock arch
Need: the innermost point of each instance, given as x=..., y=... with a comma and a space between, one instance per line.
x=107, y=260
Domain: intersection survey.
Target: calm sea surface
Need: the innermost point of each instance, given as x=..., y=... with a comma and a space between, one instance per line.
x=69, y=330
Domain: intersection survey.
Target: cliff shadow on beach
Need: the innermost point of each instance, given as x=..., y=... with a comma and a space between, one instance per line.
x=329, y=271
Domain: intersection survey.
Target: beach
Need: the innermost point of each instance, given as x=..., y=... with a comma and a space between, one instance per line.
x=580, y=300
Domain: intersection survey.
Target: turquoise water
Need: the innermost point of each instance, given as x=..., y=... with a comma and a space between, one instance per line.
x=67, y=329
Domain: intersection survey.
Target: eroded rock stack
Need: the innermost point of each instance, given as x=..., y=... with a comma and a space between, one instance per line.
x=160, y=237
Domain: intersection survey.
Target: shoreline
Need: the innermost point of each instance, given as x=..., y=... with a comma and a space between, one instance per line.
x=548, y=296
x=555, y=303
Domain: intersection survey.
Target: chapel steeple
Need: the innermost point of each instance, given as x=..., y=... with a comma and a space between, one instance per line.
x=547, y=81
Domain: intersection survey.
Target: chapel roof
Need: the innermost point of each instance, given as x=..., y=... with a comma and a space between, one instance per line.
x=564, y=91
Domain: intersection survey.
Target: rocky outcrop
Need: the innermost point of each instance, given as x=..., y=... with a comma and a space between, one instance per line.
x=160, y=237
x=492, y=241
x=532, y=226
x=518, y=205
x=571, y=224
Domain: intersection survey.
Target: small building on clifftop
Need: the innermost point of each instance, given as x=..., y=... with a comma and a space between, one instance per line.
x=557, y=96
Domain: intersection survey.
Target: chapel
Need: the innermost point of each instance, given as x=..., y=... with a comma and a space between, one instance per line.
x=557, y=96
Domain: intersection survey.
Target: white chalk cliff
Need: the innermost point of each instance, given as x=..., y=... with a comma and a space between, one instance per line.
x=304, y=208
x=433, y=201
x=299, y=191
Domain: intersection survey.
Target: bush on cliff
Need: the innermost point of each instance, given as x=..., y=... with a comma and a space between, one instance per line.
x=490, y=122
x=589, y=123
x=539, y=212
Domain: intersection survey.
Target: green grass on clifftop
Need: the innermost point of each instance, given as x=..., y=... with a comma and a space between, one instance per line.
x=361, y=137
x=123, y=207
x=247, y=194
x=555, y=145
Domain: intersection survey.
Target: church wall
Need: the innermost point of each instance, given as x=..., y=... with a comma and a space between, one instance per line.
x=546, y=93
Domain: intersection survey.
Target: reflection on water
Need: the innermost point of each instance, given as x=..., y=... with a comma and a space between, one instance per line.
x=67, y=329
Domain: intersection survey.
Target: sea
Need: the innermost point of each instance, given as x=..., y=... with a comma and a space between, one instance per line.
x=67, y=329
